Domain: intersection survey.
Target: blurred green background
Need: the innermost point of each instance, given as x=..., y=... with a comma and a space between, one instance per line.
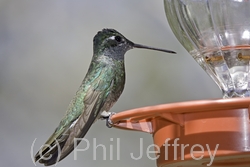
x=45, y=51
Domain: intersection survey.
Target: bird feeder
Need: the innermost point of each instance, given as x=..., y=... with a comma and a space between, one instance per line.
x=215, y=133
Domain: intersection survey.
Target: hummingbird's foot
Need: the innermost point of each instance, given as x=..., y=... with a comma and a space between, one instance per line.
x=107, y=115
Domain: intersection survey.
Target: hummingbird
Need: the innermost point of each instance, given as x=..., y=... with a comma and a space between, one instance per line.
x=99, y=90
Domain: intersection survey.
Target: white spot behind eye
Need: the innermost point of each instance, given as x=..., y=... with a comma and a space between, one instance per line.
x=112, y=37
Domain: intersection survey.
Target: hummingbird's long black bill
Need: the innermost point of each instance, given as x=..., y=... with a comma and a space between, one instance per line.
x=152, y=48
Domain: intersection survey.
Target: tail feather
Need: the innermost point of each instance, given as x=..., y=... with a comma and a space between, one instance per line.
x=48, y=155
x=63, y=142
x=58, y=147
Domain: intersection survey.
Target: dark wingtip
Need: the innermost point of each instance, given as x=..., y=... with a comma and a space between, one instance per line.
x=51, y=161
x=47, y=157
x=36, y=158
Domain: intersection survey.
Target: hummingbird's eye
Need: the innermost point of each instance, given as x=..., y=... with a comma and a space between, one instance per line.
x=118, y=38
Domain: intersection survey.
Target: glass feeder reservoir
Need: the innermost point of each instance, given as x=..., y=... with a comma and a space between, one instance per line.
x=217, y=34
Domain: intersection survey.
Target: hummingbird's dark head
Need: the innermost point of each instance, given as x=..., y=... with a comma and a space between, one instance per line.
x=111, y=43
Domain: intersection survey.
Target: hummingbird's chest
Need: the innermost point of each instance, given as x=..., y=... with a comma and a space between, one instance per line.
x=114, y=71
x=116, y=76
x=118, y=80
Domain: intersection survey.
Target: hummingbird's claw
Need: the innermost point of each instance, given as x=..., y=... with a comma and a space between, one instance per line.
x=109, y=123
x=107, y=116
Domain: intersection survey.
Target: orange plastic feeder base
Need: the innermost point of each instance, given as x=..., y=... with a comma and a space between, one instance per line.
x=195, y=134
